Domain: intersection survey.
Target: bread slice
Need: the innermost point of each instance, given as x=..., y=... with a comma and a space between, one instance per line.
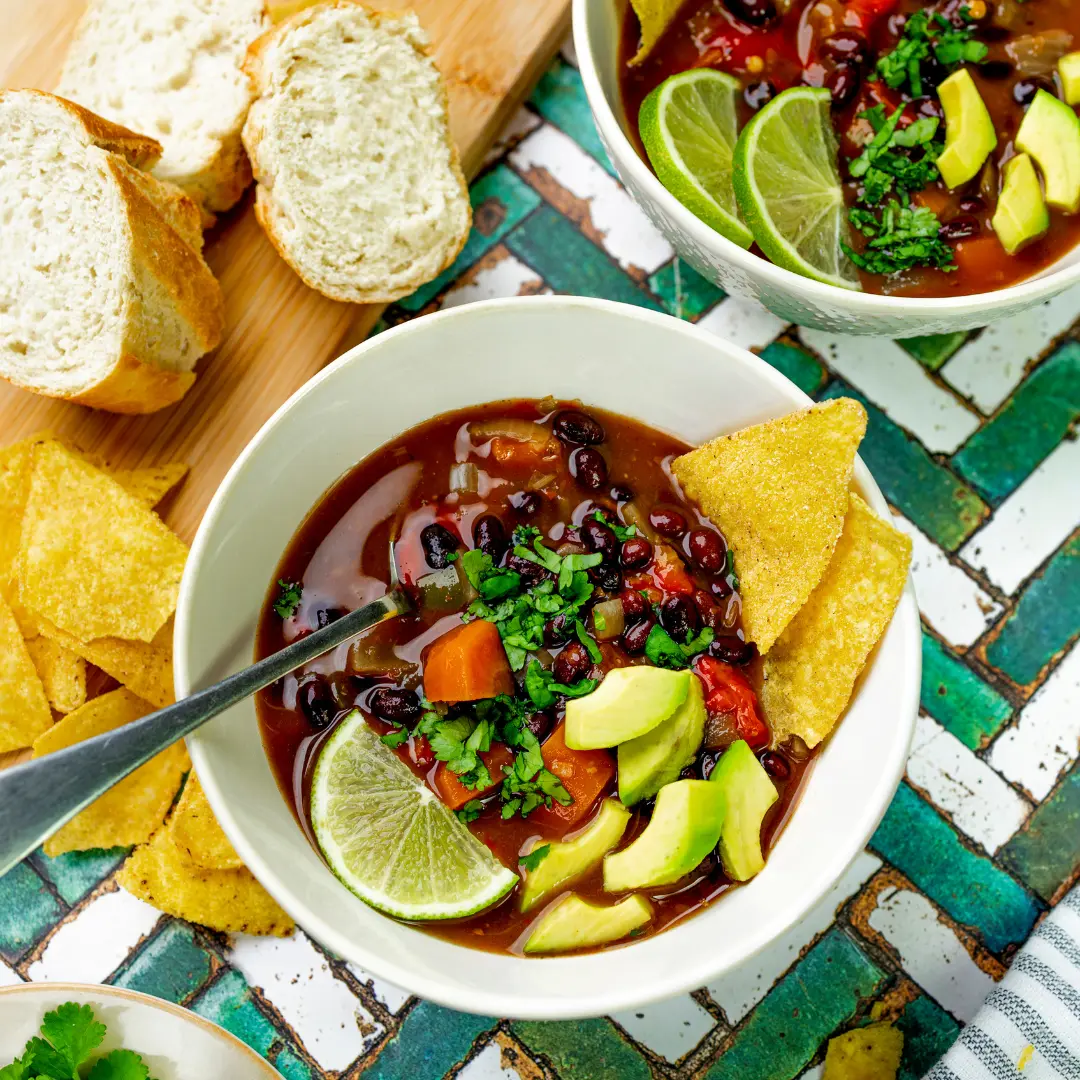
x=359, y=183
x=104, y=295
x=172, y=68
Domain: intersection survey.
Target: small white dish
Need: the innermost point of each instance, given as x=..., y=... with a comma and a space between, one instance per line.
x=597, y=32
x=175, y=1043
x=652, y=367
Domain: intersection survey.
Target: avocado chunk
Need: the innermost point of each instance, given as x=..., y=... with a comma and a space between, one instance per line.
x=969, y=131
x=656, y=758
x=1050, y=133
x=684, y=828
x=569, y=859
x=748, y=793
x=1021, y=215
x=576, y=924
x=1069, y=72
x=629, y=702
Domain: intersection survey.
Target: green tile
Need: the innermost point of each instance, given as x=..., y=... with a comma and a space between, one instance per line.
x=291, y=1065
x=569, y=262
x=560, y=97
x=228, y=1002
x=500, y=199
x=1045, y=620
x=811, y=1001
x=1046, y=852
x=1002, y=454
x=583, y=1049
x=921, y=844
x=171, y=965
x=797, y=364
x=77, y=872
x=932, y=351
x=683, y=291
x=27, y=910
x=927, y=493
x=928, y=1032
x=430, y=1041
x=958, y=699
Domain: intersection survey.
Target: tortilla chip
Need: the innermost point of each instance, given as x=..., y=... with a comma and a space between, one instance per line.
x=811, y=671
x=150, y=485
x=779, y=492
x=94, y=560
x=131, y=811
x=655, y=16
x=230, y=900
x=62, y=673
x=24, y=709
x=867, y=1053
x=14, y=485
x=196, y=831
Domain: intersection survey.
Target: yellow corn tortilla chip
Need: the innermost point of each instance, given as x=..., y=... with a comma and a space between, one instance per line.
x=779, y=493
x=14, y=485
x=151, y=484
x=24, y=709
x=811, y=670
x=131, y=811
x=196, y=831
x=655, y=16
x=62, y=673
x=94, y=560
x=867, y=1053
x=229, y=900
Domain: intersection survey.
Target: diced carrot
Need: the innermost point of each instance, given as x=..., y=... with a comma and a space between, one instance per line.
x=520, y=456
x=467, y=664
x=455, y=794
x=584, y=773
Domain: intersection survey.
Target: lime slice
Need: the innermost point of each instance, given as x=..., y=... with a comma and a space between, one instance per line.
x=689, y=126
x=390, y=839
x=788, y=186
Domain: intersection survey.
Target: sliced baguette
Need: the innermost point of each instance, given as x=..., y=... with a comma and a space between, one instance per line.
x=104, y=295
x=359, y=185
x=173, y=68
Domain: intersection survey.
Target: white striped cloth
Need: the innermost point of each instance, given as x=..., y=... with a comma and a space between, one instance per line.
x=1029, y=1026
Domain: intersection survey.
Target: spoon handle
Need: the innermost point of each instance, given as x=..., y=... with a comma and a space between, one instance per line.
x=39, y=796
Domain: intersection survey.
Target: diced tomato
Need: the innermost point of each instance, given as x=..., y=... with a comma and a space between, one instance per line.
x=864, y=13
x=519, y=456
x=423, y=757
x=455, y=794
x=584, y=773
x=728, y=691
x=670, y=573
x=467, y=664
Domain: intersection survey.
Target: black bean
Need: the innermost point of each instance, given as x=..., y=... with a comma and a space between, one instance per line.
x=666, y=522
x=607, y=576
x=679, y=617
x=846, y=46
x=843, y=83
x=490, y=536
x=558, y=630
x=539, y=724
x=996, y=69
x=634, y=605
x=598, y=537
x=705, y=765
x=707, y=549
x=933, y=71
x=316, y=702
x=775, y=765
x=710, y=613
x=960, y=228
x=636, y=553
x=689, y=773
x=733, y=650
x=758, y=94
x=571, y=664
x=588, y=468
x=525, y=502
x=531, y=573
x=721, y=588
x=1025, y=90
x=972, y=204
x=994, y=35
x=754, y=12
x=326, y=616
x=577, y=429
x=621, y=493
x=439, y=544
x=634, y=637
x=396, y=706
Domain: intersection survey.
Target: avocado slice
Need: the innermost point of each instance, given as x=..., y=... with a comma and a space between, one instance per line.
x=1069, y=72
x=969, y=131
x=656, y=758
x=1021, y=215
x=684, y=828
x=1050, y=133
x=569, y=859
x=576, y=924
x=629, y=702
x=748, y=793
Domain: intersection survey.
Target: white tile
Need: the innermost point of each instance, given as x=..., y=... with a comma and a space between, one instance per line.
x=1031, y=523
x=296, y=979
x=1046, y=737
x=93, y=944
x=930, y=952
x=741, y=989
x=393, y=997
x=987, y=369
x=980, y=803
x=743, y=322
x=628, y=235
x=669, y=1028
x=955, y=605
x=517, y=127
x=815, y=1072
x=899, y=385
x=488, y=1065
x=8, y=977
x=568, y=52
x=507, y=277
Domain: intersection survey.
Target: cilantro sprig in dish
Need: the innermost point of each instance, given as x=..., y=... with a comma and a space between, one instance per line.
x=929, y=36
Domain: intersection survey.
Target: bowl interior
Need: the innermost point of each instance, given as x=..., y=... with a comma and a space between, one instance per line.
x=648, y=366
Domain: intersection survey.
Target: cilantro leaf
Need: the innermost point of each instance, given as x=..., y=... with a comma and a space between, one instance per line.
x=903, y=238
x=119, y=1065
x=73, y=1033
x=542, y=688
x=398, y=737
x=535, y=857
x=927, y=34
x=664, y=651
x=470, y=811
x=288, y=598
x=595, y=655
x=622, y=532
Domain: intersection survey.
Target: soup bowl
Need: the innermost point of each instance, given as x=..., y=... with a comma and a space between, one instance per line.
x=648, y=366
x=597, y=32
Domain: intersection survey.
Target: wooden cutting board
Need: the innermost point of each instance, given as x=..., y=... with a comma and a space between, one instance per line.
x=278, y=331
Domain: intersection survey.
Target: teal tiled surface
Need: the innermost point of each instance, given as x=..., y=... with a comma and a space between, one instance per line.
x=560, y=98
x=683, y=291
x=431, y=1040
x=934, y=350
x=77, y=872
x=796, y=364
x=27, y=910
x=928, y=1032
x=171, y=965
x=590, y=1049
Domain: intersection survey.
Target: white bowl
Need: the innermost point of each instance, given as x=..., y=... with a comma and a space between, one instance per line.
x=597, y=31
x=175, y=1043
x=653, y=367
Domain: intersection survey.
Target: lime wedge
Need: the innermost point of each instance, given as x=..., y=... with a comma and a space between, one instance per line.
x=788, y=186
x=689, y=126
x=390, y=839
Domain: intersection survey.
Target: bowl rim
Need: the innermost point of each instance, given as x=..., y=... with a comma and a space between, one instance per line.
x=495, y=1002
x=1046, y=283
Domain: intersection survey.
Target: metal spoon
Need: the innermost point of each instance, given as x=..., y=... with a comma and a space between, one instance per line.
x=39, y=796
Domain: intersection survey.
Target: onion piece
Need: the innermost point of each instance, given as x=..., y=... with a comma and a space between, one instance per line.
x=539, y=481
x=465, y=478
x=608, y=620
x=543, y=658
x=373, y=654
x=1038, y=54
x=446, y=590
x=633, y=516
x=509, y=427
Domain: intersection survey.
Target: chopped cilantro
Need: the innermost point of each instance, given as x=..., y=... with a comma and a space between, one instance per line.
x=622, y=532
x=927, y=33
x=470, y=811
x=398, y=737
x=902, y=238
x=730, y=570
x=542, y=688
x=882, y=166
x=595, y=655
x=535, y=857
x=288, y=598
x=664, y=651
